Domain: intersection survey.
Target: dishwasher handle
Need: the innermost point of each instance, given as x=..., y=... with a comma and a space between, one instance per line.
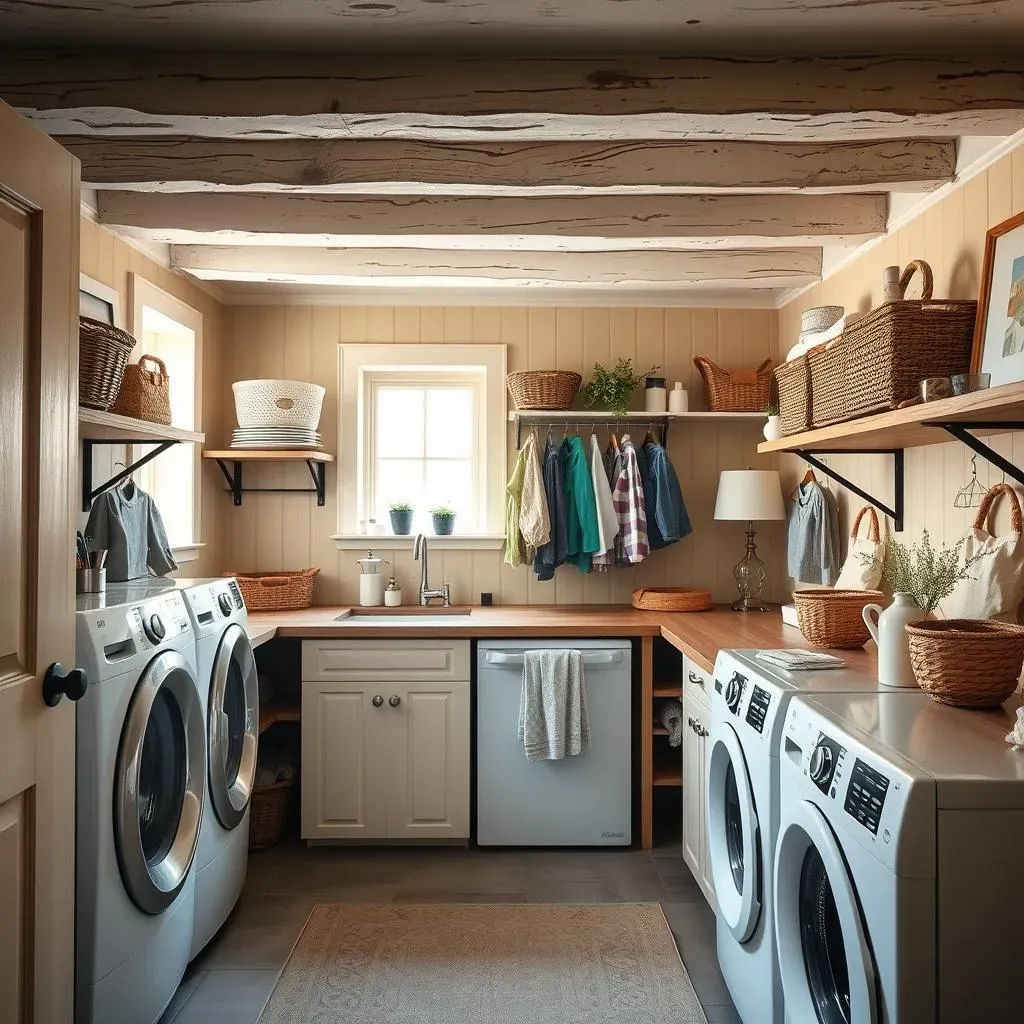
x=589, y=657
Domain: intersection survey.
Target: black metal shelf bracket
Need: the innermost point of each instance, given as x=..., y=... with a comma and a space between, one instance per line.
x=962, y=432
x=90, y=494
x=895, y=513
x=317, y=470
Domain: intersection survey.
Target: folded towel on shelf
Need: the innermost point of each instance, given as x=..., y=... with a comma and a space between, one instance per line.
x=670, y=714
x=553, y=719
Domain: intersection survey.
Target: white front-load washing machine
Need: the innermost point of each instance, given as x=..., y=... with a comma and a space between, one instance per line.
x=140, y=781
x=900, y=835
x=748, y=705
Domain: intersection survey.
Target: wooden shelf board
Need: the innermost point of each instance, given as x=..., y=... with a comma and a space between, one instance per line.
x=278, y=713
x=668, y=776
x=907, y=428
x=597, y=416
x=94, y=425
x=667, y=690
x=269, y=455
x=660, y=730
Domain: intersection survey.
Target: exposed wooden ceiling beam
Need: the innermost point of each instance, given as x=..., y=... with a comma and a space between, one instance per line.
x=585, y=222
x=370, y=166
x=273, y=96
x=759, y=268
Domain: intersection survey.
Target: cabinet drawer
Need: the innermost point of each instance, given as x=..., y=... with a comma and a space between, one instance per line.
x=696, y=680
x=375, y=660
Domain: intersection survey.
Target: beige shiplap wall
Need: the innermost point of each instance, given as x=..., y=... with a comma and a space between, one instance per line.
x=274, y=531
x=951, y=237
x=109, y=260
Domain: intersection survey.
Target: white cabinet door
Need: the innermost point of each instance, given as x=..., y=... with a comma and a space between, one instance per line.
x=428, y=751
x=344, y=792
x=359, y=661
x=693, y=788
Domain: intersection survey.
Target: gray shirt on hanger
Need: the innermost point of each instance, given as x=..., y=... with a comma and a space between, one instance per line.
x=813, y=550
x=126, y=522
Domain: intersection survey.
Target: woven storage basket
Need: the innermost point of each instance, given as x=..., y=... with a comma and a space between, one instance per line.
x=145, y=391
x=826, y=365
x=268, y=813
x=671, y=599
x=543, y=389
x=103, y=353
x=793, y=383
x=735, y=390
x=969, y=663
x=276, y=591
x=832, y=618
x=278, y=403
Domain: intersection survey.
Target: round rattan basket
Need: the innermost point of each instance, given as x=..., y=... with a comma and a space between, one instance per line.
x=671, y=599
x=103, y=353
x=544, y=389
x=268, y=813
x=833, y=618
x=969, y=663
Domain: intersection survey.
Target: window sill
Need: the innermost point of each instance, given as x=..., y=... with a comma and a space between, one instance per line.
x=391, y=542
x=187, y=553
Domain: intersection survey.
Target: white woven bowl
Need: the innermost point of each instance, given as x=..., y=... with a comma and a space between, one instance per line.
x=819, y=318
x=277, y=403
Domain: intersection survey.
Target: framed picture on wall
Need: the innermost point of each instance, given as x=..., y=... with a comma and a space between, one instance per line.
x=999, y=333
x=99, y=301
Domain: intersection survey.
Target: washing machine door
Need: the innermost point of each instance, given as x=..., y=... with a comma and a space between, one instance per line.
x=232, y=726
x=828, y=973
x=734, y=834
x=158, y=788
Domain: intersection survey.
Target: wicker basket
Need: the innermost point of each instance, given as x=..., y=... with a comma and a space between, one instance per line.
x=735, y=390
x=827, y=365
x=145, y=391
x=671, y=599
x=793, y=383
x=276, y=591
x=543, y=389
x=278, y=403
x=268, y=813
x=968, y=663
x=832, y=618
x=103, y=353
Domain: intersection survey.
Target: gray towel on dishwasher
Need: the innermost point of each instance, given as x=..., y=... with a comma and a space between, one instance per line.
x=553, y=720
x=670, y=714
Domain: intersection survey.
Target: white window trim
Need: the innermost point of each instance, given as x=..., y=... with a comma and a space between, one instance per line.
x=143, y=293
x=355, y=361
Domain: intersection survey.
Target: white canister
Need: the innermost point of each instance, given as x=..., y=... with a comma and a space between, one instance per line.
x=678, y=398
x=392, y=594
x=655, y=395
x=371, y=590
x=891, y=291
x=888, y=630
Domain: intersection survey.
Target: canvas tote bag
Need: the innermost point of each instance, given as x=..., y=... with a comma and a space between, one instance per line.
x=862, y=569
x=997, y=587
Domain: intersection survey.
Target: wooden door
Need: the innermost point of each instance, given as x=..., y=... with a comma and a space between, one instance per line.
x=344, y=737
x=428, y=744
x=39, y=211
x=693, y=788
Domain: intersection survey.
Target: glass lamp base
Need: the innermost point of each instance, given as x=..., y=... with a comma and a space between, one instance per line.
x=750, y=574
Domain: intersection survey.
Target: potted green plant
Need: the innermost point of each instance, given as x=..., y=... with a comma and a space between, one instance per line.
x=401, y=518
x=612, y=389
x=773, y=425
x=444, y=520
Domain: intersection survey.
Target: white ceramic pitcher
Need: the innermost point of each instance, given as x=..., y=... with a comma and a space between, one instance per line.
x=888, y=630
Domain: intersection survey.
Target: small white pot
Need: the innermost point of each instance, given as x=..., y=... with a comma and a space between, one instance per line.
x=773, y=428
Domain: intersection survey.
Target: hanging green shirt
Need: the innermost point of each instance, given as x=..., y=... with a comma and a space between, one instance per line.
x=514, y=548
x=582, y=533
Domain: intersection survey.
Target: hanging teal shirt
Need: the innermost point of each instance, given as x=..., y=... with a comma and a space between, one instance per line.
x=582, y=535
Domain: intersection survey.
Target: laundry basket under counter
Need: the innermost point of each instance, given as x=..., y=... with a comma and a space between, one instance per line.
x=584, y=800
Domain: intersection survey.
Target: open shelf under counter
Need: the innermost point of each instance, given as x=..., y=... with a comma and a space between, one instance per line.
x=95, y=425
x=272, y=713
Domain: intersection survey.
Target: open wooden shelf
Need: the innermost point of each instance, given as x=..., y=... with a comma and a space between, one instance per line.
x=908, y=428
x=660, y=730
x=664, y=776
x=599, y=416
x=667, y=690
x=272, y=713
x=94, y=425
x=269, y=455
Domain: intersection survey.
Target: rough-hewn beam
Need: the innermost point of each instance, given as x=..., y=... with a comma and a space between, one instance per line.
x=272, y=96
x=483, y=168
x=756, y=268
x=584, y=222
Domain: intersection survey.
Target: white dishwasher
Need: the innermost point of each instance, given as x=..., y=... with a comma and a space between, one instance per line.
x=584, y=800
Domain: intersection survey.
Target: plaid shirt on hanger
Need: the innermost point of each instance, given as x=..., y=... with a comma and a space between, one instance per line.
x=631, y=545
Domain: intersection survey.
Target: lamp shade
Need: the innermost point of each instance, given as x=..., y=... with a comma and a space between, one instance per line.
x=749, y=494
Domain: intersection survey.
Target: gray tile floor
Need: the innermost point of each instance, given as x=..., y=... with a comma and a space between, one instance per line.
x=231, y=981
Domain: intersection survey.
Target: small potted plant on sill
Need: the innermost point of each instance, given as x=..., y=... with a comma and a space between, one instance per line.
x=444, y=520
x=401, y=518
x=773, y=425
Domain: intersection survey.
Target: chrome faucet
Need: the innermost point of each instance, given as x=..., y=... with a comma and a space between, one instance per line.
x=419, y=551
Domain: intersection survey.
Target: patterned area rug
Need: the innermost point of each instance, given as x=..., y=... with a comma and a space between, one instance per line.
x=540, y=963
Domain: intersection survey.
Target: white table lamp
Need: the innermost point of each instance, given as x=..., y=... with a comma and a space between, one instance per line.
x=754, y=495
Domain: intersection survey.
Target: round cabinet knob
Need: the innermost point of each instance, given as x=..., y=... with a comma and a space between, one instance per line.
x=225, y=604
x=378, y=701
x=821, y=763
x=394, y=700
x=154, y=628
x=59, y=683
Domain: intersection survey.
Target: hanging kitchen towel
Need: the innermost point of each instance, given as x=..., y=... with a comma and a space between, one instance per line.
x=553, y=719
x=663, y=499
x=812, y=545
x=534, y=525
x=515, y=549
x=552, y=554
x=126, y=522
x=862, y=569
x=583, y=538
x=607, y=520
x=631, y=545
x=996, y=588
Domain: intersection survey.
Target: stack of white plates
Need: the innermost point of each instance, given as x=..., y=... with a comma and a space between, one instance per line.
x=275, y=437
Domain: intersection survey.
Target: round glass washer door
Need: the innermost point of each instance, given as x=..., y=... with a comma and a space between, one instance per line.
x=232, y=727
x=158, y=787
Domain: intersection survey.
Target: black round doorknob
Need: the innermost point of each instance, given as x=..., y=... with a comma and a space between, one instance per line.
x=59, y=683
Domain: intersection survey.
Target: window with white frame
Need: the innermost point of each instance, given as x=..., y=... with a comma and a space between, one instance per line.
x=169, y=329
x=422, y=425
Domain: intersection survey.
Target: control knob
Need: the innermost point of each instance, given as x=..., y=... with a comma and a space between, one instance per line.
x=154, y=628
x=821, y=763
x=225, y=604
x=733, y=692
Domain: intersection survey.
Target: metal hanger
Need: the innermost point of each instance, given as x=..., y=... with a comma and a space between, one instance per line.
x=971, y=494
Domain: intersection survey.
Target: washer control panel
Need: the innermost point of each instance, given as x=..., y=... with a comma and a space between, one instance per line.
x=865, y=796
x=757, y=708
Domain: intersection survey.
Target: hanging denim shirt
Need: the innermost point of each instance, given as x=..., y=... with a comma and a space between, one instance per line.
x=667, y=518
x=582, y=534
x=551, y=555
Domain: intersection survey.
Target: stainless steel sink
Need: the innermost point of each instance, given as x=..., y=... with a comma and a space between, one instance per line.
x=404, y=620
